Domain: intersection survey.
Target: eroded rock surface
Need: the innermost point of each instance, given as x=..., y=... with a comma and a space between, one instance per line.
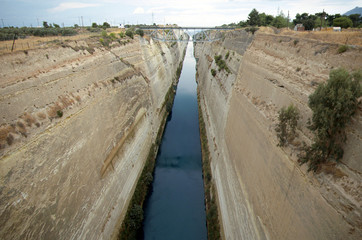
x=77, y=122
x=263, y=192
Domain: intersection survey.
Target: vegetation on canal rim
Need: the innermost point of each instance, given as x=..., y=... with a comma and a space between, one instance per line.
x=333, y=104
x=212, y=215
x=132, y=223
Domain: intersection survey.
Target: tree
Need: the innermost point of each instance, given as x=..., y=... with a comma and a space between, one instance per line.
x=253, y=18
x=242, y=24
x=321, y=20
x=268, y=19
x=343, y=22
x=140, y=32
x=333, y=104
x=309, y=24
x=265, y=19
x=279, y=22
x=94, y=25
x=106, y=25
x=129, y=33
x=356, y=19
x=45, y=24
x=286, y=128
x=56, y=25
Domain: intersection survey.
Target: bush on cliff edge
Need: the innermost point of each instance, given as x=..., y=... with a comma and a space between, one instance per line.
x=333, y=104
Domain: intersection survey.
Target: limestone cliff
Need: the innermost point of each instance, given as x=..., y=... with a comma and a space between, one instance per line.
x=77, y=122
x=262, y=191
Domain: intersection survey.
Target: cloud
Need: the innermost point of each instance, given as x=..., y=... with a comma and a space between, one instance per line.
x=72, y=5
x=139, y=10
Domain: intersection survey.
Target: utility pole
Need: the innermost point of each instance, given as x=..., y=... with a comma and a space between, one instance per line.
x=38, y=22
x=152, y=20
x=288, y=21
x=323, y=18
x=82, y=21
x=2, y=20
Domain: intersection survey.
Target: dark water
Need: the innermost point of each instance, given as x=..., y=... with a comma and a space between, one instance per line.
x=175, y=209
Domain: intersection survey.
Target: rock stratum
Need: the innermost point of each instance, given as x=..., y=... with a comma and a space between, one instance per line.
x=77, y=123
x=262, y=191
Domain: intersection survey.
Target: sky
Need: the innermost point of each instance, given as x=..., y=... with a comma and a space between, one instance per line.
x=203, y=13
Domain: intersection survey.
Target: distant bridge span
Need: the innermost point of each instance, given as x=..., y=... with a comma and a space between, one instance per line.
x=196, y=34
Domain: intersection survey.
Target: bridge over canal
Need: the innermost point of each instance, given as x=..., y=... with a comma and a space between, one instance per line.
x=196, y=34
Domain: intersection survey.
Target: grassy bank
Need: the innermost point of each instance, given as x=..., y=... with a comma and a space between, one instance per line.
x=212, y=215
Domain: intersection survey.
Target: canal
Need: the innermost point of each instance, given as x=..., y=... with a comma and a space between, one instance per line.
x=175, y=208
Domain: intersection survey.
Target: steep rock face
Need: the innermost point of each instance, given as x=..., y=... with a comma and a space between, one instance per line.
x=262, y=191
x=77, y=122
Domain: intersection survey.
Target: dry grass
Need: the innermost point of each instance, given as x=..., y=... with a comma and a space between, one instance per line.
x=21, y=128
x=10, y=139
x=66, y=101
x=41, y=115
x=32, y=42
x=4, y=132
x=29, y=119
x=52, y=111
x=344, y=37
x=330, y=168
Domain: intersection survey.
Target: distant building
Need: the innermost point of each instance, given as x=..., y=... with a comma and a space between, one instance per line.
x=299, y=27
x=337, y=29
x=121, y=26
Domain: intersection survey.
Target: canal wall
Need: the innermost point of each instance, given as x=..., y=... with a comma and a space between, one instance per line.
x=262, y=191
x=77, y=123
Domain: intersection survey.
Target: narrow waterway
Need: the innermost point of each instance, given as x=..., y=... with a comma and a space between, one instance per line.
x=175, y=208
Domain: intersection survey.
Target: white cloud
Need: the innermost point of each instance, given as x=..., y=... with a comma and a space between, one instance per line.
x=72, y=5
x=139, y=10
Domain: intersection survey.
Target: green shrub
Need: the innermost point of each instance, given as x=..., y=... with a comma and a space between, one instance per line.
x=343, y=22
x=112, y=36
x=104, y=42
x=252, y=29
x=68, y=32
x=333, y=104
x=343, y=48
x=106, y=25
x=296, y=41
x=213, y=72
x=122, y=35
x=288, y=121
x=60, y=113
x=129, y=33
x=221, y=63
x=227, y=55
x=104, y=34
x=140, y=32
